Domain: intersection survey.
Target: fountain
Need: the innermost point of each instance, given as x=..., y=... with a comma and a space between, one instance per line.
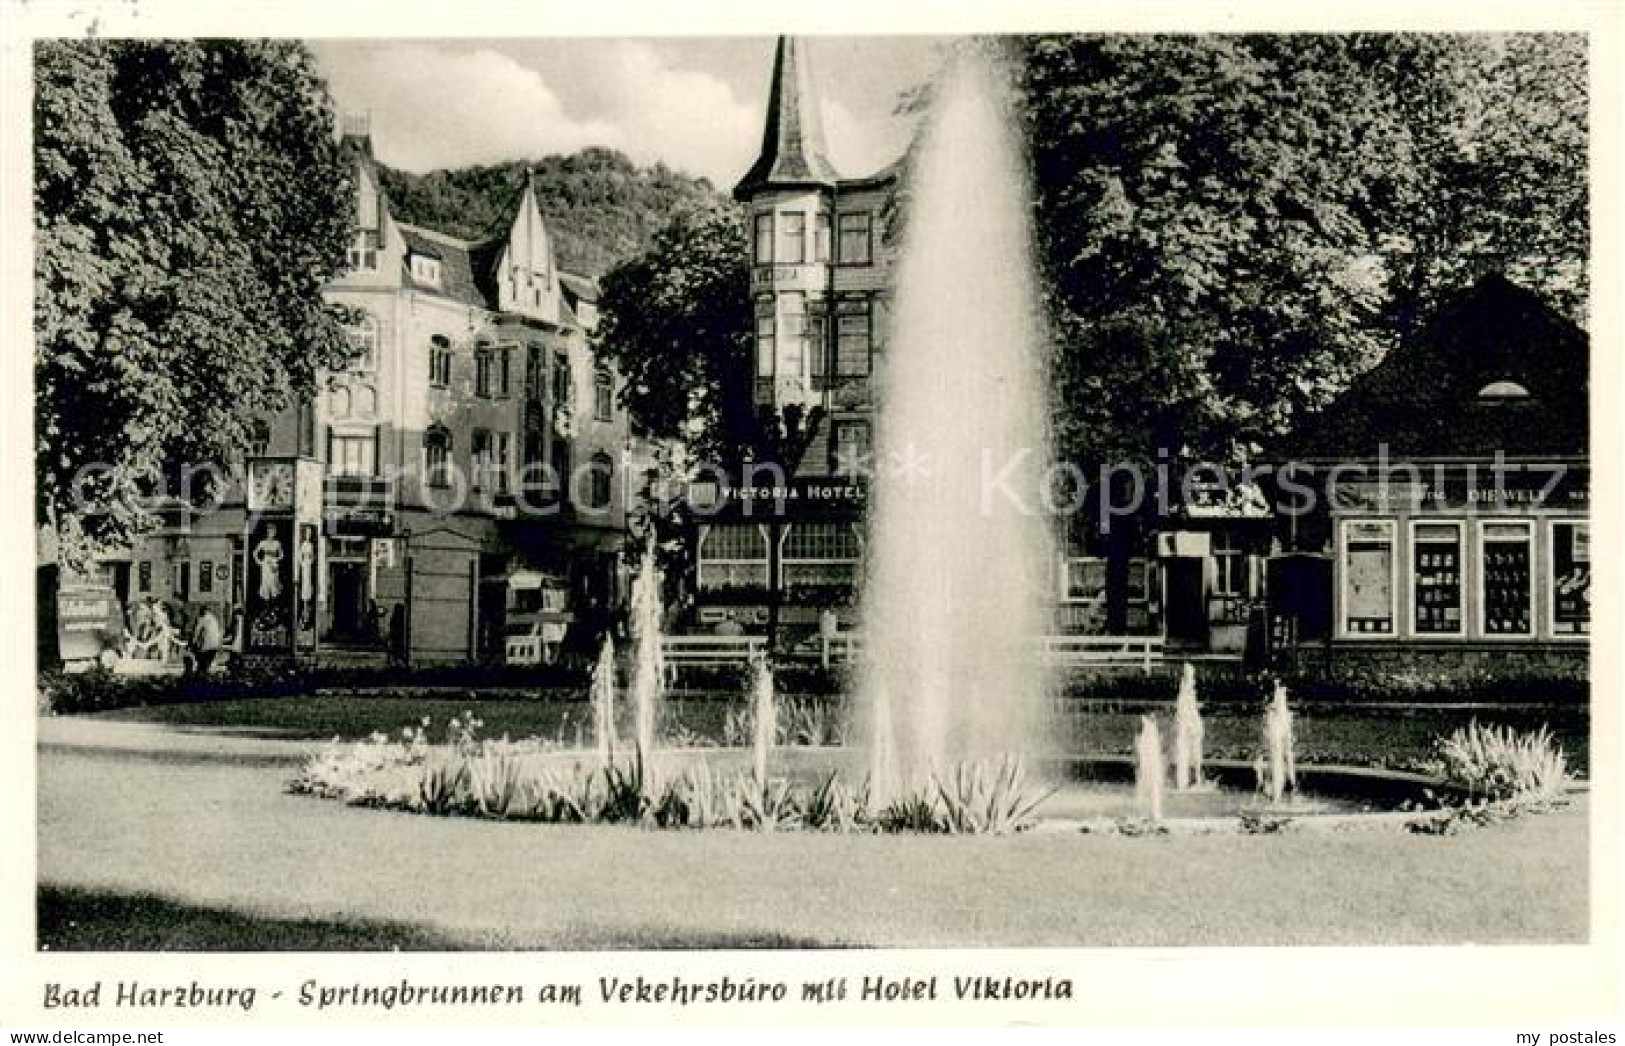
x=1277, y=769
x=963, y=441
x=959, y=580
x=648, y=657
x=603, y=701
x=1149, y=769
x=1187, y=734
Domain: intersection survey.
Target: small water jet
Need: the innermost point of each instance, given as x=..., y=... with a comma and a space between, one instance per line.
x=1188, y=732
x=603, y=701
x=1149, y=769
x=949, y=673
x=765, y=717
x=1277, y=769
x=648, y=682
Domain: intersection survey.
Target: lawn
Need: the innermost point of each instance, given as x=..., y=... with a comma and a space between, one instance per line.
x=139, y=854
x=1326, y=732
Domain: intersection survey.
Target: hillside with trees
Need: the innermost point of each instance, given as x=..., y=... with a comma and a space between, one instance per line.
x=601, y=207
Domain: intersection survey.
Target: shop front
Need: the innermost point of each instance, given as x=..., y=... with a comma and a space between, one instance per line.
x=1448, y=491
x=1474, y=569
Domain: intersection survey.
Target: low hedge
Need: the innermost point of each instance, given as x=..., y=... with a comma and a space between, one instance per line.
x=1519, y=689
x=99, y=690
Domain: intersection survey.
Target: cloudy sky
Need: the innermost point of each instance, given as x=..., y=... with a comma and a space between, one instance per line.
x=695, y=103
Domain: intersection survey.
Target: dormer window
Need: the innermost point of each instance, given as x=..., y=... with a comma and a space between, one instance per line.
x=426, y=269
x=1499, y=392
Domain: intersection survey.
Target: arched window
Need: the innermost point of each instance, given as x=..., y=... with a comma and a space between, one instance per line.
x=603, y=474
x=437, y=456
x=338, y=402
x=1502, y=392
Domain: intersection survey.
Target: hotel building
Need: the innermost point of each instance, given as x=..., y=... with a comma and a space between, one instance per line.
x=471, y=465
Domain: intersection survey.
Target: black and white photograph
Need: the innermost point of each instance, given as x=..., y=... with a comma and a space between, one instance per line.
x=777, y=495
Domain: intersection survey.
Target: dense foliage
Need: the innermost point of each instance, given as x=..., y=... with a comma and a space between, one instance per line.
x=1231, y=228
x=601, y=208
x=676, y=321
x=189, y=204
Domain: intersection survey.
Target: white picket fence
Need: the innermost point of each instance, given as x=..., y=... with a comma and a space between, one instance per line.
x=1103, y=653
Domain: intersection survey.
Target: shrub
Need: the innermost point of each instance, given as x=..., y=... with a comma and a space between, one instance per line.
x=501, y=785
x=831, y=808
x=988, y=798
x=914, y=812
x=802, y=721
x=569, y=799
x=626, y=795
x=768, y=805
x=1454, y=820
x=1497, y=762
x=443, y=787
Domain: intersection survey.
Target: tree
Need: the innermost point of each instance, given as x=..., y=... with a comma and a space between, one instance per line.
x=190, y=201
x=1227, y=223
x=1499, y=135
x=1206, y=209
x=676, y=322
x=1232, y=228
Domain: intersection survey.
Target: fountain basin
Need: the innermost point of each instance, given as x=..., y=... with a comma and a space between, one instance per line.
x=1091, y=792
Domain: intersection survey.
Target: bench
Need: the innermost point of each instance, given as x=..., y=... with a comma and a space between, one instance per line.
x=711, y=651
x=1097, y=652
x=841, y=648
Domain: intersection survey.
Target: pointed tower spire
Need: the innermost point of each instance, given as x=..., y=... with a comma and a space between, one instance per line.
x=793, y=150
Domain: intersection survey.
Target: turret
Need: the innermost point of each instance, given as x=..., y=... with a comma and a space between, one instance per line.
x=793, y=151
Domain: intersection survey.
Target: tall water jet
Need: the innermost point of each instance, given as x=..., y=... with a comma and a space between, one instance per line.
x=960, y=553
x=764, y=717
x=603, y=701
x=1148, y=769
x=648, y=657
x=1187, y=733
x=1277, y=769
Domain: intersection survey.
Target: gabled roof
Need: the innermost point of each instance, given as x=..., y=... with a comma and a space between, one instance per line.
x=458, y=260
x=1424, y=400
x=793, y=150
x=583, y=288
